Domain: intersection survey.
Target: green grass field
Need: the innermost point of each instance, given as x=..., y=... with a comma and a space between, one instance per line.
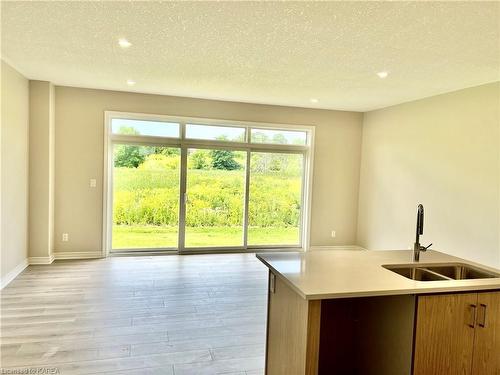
x=151, y=236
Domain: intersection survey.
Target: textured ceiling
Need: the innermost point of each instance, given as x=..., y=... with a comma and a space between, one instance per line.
x=262, y=52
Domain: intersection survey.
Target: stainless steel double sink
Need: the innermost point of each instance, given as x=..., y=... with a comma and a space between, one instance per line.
x=441, y=271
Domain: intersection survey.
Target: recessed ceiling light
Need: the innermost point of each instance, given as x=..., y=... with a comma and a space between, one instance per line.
x=124, y=43
x=383, y=74
x=314, y=100
x=130, y=82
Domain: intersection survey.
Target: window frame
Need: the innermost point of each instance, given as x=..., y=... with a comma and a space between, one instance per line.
x=146, y=135
x=275, y=129
x=184, y=144
x=245, y=131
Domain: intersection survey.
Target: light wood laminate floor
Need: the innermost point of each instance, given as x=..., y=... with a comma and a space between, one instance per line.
x=192, y=314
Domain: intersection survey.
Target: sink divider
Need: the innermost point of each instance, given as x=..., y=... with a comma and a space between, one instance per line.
x=435, y=273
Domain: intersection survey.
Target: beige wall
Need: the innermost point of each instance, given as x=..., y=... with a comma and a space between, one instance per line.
x=41, y=171
x=79, y=157
x=443, y=152
x=14, y=171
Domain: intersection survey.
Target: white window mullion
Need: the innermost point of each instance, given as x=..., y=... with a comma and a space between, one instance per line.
x=247, y=200
x=182, y=200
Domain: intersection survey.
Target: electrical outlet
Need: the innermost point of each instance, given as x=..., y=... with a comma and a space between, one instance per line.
x=65, y=237
x=93, y=183
x=333, y=234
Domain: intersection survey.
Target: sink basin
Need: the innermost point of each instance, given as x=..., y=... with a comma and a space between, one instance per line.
x=462, y=272
x=417, y=273
x=441, y=272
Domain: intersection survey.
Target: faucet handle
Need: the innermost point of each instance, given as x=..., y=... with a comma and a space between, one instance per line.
x=424, y=248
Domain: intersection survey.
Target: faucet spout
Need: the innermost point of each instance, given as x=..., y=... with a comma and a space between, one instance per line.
x=420, y=220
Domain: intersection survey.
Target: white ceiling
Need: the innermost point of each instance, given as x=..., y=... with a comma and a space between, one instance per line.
x=261, y=52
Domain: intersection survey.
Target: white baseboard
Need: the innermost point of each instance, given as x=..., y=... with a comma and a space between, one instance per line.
x=41, y=260
x=79, y=255
x=13, y=274
x=346, y=247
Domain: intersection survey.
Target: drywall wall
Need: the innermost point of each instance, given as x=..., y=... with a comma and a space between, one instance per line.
x=14, y=172
x=41, y=172
x=442, y=152
x=79, y=157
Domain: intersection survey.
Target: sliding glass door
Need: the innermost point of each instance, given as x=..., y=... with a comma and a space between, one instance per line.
x=275, y=198
x=215, y=198
x=187, y=186
x=145, y=197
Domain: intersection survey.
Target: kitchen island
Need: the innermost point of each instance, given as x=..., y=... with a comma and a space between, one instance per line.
x=379, y=312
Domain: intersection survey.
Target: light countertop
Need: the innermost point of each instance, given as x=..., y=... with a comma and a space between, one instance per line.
x=329, y=274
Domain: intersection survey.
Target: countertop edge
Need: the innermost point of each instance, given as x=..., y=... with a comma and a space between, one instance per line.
x=382, y=293
x=285, y=280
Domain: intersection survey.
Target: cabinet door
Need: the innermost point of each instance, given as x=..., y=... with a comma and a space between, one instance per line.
x=444, y=336
x=293, y=325
x=487, y=343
